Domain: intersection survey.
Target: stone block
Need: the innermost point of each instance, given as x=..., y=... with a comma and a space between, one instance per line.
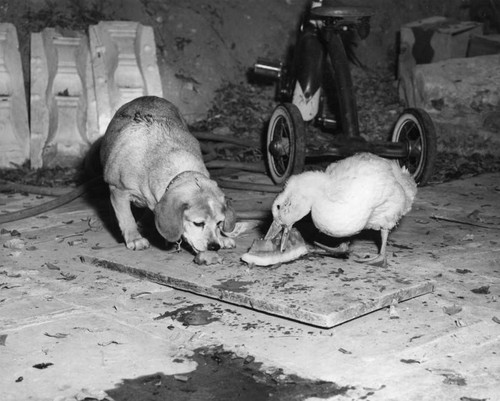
x=14, y=127
x=63, y=106
x=124, y=65
x=428, y=41
x=482, y=45
x=463, y=98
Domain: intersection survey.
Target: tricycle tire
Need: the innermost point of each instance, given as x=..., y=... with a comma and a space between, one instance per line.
x=415, y=128
x=285, y=143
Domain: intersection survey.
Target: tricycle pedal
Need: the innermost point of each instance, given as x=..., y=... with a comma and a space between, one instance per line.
x=268, y=68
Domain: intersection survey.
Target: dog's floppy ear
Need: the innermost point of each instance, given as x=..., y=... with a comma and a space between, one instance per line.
x=169, y=216
x=229, y=218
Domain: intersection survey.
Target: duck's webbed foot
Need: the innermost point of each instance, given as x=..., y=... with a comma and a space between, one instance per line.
x=379, y=260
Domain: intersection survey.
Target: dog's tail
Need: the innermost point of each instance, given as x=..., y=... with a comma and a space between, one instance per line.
x=92, y=165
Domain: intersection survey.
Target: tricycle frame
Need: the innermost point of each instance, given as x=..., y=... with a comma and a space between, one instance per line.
x=305, y=96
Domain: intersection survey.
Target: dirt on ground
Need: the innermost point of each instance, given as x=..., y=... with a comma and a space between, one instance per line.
x=229, y=36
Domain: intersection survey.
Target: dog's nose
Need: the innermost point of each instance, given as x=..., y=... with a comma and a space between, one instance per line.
x=213, y=246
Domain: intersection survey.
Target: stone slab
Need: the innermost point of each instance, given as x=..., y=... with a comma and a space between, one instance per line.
x=462, y=96
x=332, y=292
x=316, y=290
x=430, y=40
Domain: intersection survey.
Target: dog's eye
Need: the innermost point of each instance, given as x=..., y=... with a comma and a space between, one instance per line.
x=199, y=223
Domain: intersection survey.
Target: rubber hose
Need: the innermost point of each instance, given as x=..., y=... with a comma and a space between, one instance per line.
x=249, y=186
x=31, y=189
x=52, y=204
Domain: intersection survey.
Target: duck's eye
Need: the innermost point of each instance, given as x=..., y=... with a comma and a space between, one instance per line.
x=199, y=223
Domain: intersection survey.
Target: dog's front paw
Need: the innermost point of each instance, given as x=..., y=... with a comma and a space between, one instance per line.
x=227, y=243
x=207, y=258
x=138, y=244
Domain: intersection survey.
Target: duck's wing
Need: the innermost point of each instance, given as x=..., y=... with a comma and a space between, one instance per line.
x=345, y=204
x=365, y=188
x=359, y=163
x=360, y=176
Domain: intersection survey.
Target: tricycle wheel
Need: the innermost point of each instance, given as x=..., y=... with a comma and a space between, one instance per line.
x=285, y=143
x=415, y=128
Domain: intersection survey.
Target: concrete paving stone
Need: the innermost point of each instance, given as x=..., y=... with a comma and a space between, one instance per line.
x=423, y=353
x=77, y=346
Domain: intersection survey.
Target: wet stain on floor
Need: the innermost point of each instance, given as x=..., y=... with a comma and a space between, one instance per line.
x=222, y=376
x=192, y=315
x=234, y=285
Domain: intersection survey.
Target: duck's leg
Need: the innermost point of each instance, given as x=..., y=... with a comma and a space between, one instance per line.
x=381, y=258
x=339, y=251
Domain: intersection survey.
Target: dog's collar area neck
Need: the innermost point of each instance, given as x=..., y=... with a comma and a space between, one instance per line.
x=180, y=176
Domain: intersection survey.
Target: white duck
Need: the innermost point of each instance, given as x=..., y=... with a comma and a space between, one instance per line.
x=364, y=191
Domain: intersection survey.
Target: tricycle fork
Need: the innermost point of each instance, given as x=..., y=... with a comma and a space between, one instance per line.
x=348, y=111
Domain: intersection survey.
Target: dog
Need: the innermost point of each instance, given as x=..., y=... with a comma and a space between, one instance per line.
x=150, y=158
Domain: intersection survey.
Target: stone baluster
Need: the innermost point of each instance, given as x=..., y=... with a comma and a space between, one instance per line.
x=64, y=117
x=14, y=128
x=124, y=64
x=127, y=76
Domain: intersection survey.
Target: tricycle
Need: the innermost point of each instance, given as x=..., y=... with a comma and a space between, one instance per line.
x=317, y=89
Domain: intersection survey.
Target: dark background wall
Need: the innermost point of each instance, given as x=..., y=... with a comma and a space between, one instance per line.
x=205, y=44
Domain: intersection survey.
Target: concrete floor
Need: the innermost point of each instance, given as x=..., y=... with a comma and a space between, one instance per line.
x=97, y=327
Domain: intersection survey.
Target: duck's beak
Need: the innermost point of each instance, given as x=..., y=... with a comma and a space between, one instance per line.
x=274, y=231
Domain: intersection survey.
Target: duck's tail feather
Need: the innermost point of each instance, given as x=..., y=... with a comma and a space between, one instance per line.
x=407, y=182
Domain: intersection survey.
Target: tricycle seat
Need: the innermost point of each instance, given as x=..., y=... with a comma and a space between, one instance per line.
x=336, y=9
